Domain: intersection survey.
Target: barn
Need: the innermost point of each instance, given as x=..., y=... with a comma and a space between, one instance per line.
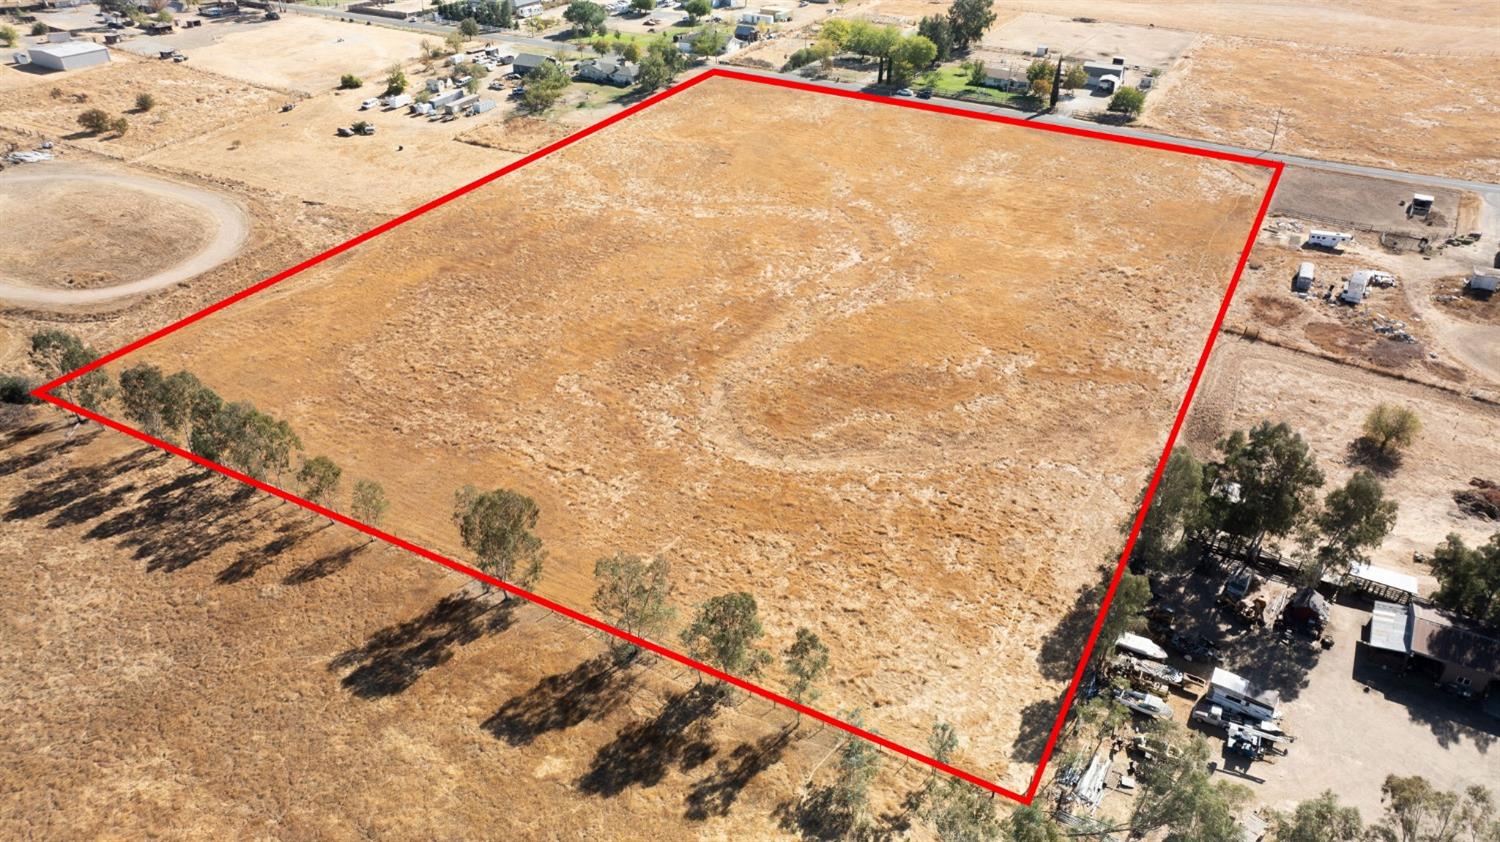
x=68, y=55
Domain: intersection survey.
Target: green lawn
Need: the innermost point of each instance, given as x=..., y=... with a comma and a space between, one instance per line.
x=640, y=39
x=595, y=95
x=953, y=81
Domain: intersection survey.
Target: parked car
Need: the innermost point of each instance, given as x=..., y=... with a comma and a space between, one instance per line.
x=924, y=93
x=905, y=92
x=368, y=104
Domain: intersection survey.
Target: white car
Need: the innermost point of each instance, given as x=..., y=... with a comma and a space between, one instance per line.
x=1144, y=703
x=368, y=104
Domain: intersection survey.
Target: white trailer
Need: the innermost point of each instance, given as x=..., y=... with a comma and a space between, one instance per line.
x=1235, y=694
x=1484, y=281
x=398, y=101
x=1328, y=239
x=1303, y=280
x=1355, y=288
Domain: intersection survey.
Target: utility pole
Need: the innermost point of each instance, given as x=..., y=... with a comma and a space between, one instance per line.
x=1275, y=131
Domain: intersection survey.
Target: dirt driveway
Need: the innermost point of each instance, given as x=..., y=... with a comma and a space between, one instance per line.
x=231, y=226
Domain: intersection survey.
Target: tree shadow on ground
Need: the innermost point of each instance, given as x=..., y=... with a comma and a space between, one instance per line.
x=325, y=565
x=819, y=817
x=558, y=702
x=182, y=520
x=298, y=528
x=643, y=752
x=393, y=658
x=78, y=494
x=41, y=453
x=1364, y=453
x=716, y=794
x=1037, y=720
x=1060, y=650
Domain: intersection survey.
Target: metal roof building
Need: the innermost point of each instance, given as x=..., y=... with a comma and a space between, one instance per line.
x=68, y=55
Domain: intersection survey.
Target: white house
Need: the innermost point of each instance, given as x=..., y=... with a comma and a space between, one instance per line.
x=69, y=55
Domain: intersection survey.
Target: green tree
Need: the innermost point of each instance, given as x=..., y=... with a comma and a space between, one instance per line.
x=349, y=82
x=1320, y=819
x=395, y=82
x=57, y=352
x=1178, y=793
x=1075, y=77
x=653, y=73
x=544, y=87
x=643, y=6
x=367, y=503
x=908, y=56
x=1131, y=597
x=696, y=9
x=468, y=28
x=1177, y=511
x=1040, y=90
x=119, y=126
x=1127, y=101
x=939, y=30
x=1354, y=518
x=211, y=431
x=144, y=102
x=1030, y=824
x=177, y=396
x=806, y=660
x=586, y=16
x=141, y=388
x=8, y=36
x=1277, y=479
x=849, y=795
x=319, y=478
x=969, y=19
x=1390, y=429
x=94, y=121
x=942, y=741
x=454, y=40
x=261, y=446
x=835, y=31
x=962, y=812
x=1469, y=578
x=1039, y=70
x=632, y=593
x=724, y=632
x=16, y=390
x=39, y=28
x=710, y=41
x=631, y=52
x=496, y=526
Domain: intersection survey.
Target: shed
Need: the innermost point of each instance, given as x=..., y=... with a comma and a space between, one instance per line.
x=1387, y=627
x=70, y=55
x=1483, y=280
x=1444, y=648
x=1383, y=583
x=1421, y=204
x=1307, y=609
x=1303, y=280
x=1355, y=288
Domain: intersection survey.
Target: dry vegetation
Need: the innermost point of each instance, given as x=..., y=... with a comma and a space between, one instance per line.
x=188, y=103
x=821, y=390
x=1419, y=113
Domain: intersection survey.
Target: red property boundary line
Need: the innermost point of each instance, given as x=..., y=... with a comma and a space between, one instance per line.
x=1276, y=167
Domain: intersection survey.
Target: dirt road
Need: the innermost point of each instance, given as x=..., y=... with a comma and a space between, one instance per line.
x=231, y=226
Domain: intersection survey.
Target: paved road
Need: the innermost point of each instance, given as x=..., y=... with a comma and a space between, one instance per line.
x=439, y=29
x=232, y=226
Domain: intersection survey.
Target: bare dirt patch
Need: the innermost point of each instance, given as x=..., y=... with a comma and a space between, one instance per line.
x=83, y=234
x=813, y=390
x=188, y=103
x=1229, y=90
x=520, y=135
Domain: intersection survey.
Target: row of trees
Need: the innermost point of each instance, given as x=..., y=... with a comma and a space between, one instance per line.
x=1415, y=811
x=179, y=409
x=1264, y=485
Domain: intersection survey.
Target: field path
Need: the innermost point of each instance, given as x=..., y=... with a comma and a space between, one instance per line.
x=232, y=227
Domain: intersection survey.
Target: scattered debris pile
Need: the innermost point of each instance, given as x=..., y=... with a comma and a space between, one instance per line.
x=1392, y=329
x=1482, y=500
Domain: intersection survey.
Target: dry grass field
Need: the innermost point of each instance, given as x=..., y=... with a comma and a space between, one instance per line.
x=186, y=661
x=189, y=103
x=908, y=417
x=1417, y=113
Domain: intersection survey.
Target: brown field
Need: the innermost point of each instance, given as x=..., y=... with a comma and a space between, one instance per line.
x=1411, y=25
x=188, y=103
x=818, y=390
x=1415, y=113
x=82, y=234
x=182, y=661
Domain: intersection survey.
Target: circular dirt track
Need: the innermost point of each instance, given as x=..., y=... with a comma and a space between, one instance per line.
x=89, y=236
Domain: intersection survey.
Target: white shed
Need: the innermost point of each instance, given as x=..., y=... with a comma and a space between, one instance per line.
x=69, y=55
x=1355, y=287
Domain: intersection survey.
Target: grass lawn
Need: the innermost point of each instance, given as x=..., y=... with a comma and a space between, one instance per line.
x=595, y=95
x=640, y=39
x=953, y=81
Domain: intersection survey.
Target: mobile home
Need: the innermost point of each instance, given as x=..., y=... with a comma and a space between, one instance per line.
x=1233, y=693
